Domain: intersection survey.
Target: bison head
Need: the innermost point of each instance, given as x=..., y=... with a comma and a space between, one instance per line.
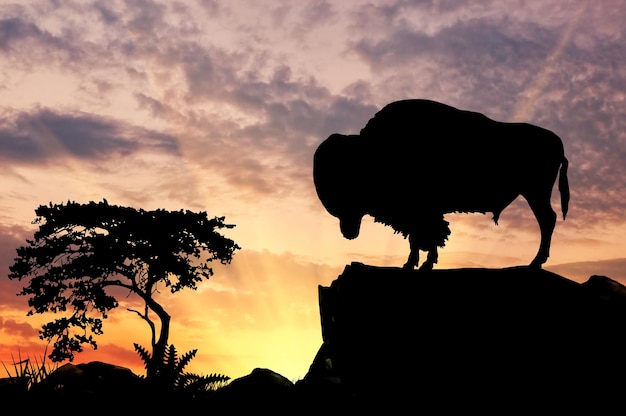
x=338, y=181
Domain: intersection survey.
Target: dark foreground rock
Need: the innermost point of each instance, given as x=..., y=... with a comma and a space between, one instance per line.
x=479, y=339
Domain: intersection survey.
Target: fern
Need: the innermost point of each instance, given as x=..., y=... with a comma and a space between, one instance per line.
x=171, y=376
x=143, y=354
x=185, y=359
x=166, y=372
x=173, y=367
x=194, y=382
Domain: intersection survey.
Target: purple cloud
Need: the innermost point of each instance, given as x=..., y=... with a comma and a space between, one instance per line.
x=43, y=135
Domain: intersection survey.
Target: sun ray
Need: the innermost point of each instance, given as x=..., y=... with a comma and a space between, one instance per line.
x=525, y=108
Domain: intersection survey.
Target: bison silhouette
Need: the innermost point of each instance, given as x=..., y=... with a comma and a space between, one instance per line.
x=417, y=160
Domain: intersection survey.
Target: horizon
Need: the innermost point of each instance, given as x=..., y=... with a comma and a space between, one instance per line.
x=219, y=107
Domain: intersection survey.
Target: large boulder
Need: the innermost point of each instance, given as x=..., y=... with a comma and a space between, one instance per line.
x=473, y=338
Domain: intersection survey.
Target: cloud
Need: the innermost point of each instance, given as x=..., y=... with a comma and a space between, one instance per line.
x=145, y=16
x=44, y=135
x=269, y=141
x=15, y=32
x=212, y=6
x=318, y=12
x=11, y=237
x=28, y=348
x=106, y=14
x=15, y=29
x=276, y=116
x=12, y=327
x=27, y=44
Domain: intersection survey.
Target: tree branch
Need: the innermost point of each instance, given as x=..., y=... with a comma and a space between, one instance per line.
x=145, y=317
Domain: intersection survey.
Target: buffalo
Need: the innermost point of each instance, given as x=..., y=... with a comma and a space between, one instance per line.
x=417, y=160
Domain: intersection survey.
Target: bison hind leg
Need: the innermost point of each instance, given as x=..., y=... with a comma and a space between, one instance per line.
x=546, y=217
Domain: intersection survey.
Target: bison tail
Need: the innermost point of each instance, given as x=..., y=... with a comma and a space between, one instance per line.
x=564, y=187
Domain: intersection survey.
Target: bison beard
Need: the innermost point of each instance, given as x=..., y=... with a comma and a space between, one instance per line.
x=417, y=160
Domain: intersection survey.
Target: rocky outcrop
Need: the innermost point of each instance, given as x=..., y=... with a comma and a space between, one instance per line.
x=472, y=338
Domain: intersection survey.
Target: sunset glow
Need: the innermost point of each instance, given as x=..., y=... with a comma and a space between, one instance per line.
x=218, y=106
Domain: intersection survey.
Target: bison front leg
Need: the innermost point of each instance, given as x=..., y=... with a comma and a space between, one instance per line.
x=414, y=255
x=431, y=259
x=413, y=260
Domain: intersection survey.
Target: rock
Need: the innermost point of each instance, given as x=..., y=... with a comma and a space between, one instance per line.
x=88, y=378
x=321, y=390
x=262, y=389
x=12, y=388
x=261, y=381
x=99, y=384
x=473, y=338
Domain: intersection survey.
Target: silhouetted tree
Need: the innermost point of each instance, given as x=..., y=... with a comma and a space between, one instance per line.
x=81, y=250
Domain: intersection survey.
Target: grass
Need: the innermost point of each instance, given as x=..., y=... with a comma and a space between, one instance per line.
x=28, y=372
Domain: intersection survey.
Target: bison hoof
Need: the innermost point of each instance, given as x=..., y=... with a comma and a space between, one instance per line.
x=426, y=266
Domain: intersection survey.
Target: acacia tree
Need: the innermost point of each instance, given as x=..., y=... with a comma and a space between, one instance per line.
x=82, y=250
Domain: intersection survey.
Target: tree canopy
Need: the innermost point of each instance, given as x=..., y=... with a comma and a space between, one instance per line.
x=80, y=250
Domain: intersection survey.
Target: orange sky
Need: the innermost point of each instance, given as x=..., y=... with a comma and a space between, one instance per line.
x=219, y=107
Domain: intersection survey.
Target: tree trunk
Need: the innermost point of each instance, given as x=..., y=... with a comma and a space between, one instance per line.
x=158, y=348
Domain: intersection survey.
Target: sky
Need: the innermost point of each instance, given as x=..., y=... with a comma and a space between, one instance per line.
x=218, y=106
